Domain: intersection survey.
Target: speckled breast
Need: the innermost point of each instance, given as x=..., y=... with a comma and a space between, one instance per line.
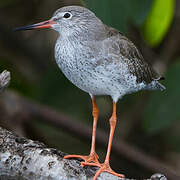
x=69, y=61
x=80, y=69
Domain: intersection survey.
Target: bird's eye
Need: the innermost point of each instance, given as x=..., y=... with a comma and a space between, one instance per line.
x=67, y=15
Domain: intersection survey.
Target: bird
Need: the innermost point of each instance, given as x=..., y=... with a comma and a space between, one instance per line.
x=99, y=60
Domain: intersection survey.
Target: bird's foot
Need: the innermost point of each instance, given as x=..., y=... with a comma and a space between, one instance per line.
x=105, y=167
x=91, y=158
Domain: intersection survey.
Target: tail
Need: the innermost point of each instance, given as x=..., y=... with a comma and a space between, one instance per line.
x=155, y=85
x=159, y=86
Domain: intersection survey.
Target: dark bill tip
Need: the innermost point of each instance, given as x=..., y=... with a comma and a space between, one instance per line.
x=29, y=27
x=42, y=25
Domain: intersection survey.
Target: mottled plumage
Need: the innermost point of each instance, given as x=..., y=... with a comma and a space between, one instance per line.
x=99, y=59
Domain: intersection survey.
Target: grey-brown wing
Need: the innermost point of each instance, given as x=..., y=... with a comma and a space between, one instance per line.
x=119, y=44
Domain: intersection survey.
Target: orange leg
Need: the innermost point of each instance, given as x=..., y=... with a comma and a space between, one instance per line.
x=105, y=167
x=92, y=157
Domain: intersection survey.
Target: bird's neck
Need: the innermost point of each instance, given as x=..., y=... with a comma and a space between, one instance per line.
x=84, y=34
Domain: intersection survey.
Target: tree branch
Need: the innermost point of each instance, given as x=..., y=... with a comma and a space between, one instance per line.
x=32, y=110
x=21, y=158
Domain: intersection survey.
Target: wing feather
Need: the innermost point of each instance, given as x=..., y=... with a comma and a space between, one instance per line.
x=120, y=45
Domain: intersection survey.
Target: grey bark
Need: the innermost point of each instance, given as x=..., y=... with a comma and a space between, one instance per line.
x=25, y=159
x=4, y=79
x=21, y=158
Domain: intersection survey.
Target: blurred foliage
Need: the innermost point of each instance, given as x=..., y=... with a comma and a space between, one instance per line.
x=158, y=21
x=163, y=109
x=155, y=17
x=118, y=13
x=4, y=3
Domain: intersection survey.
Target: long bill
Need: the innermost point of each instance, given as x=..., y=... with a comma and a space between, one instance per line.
x=41, y=25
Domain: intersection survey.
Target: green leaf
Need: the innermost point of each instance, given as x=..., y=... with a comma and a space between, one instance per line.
x=164, y=107
x=158, y=21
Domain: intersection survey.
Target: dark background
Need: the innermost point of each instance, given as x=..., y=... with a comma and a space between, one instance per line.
x=147, y=121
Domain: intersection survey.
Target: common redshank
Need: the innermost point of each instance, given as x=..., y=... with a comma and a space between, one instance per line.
x=101, y=61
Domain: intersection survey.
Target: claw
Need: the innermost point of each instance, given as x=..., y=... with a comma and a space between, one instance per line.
x=92, y=158
x=105, y=167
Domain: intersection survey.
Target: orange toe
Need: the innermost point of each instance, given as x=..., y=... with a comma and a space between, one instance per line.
x=91, y=164
x=105, y=167
x=92, y=158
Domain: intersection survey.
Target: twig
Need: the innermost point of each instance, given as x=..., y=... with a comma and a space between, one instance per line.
x=4, y=79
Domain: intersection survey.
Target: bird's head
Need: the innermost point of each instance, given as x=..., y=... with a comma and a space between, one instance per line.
x=71, y=20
